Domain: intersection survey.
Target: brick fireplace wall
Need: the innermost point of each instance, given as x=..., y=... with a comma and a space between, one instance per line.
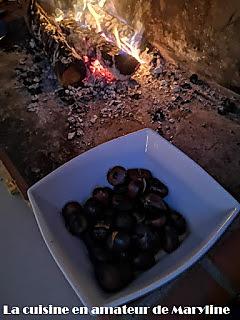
x=205, y=34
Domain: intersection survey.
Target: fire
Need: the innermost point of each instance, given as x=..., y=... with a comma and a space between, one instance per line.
x=95, y=8
x=130, y=46
x=59, y=15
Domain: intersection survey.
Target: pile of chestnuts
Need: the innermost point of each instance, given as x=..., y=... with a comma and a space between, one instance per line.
x=124, y=227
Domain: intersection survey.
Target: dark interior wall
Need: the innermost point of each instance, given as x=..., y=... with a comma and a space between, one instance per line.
x=203, y=33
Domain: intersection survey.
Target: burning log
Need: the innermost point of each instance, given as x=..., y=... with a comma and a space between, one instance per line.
x=95, y=46
x=68, y=64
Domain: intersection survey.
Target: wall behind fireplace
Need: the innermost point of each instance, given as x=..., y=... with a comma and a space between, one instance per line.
x=203, y=33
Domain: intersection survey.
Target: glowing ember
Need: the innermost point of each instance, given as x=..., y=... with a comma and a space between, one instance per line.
x=97, y=70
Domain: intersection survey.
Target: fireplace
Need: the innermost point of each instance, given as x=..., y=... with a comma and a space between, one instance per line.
x=79, y=73
x=203, y=36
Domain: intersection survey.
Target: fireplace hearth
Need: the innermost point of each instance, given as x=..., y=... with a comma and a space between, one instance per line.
x=52, y=111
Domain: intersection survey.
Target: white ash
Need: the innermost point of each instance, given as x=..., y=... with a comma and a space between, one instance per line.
x=71, y=135
x=153, y=80
x=94, y=119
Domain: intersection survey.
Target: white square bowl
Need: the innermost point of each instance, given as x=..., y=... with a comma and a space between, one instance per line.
x=207, y=207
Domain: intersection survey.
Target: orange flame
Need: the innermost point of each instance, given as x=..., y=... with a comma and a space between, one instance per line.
x=128, y=45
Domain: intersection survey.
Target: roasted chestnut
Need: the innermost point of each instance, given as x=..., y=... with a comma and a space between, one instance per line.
x=71, y=208
x=124, y=221
x=93, y=209
x=136, y=187
x=117, y=175
x=170, y=240
x=108, y=277
x=100, y=231
x=146, y=239
x=121, y=189
x=103, y=195
x=157, y=221
x=123, y=256
x=76, y=224
x=112, y=278
x=118, y=241
x=109, y=212
x=98, y=254
x=139, y=215
x=156, y=186
x=121, y=202
x=135, y=174
x=144, y=261
x=153, y=202
x=177, y=221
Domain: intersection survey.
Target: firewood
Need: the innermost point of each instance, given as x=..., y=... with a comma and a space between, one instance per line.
x=95, y=46
x=68, y=64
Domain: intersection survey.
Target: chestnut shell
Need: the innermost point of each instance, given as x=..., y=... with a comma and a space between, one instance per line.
x=99, y=255
x=143, y=261
x=117, y=175
x=146, y=239
x=76, y=224
x=121, y=189
x=103, y=195
x=100, y=231
x=93, y=209
x=118, y=241
x=153, y=201
x=112, y=278
x=136, y=187
x=177, y=221
x=121, y=202
x=157, y=221
x=72, y=207
x=124, y=221
x=156, y=186
x=139, y=173
x=139, y=215
x=170, y=240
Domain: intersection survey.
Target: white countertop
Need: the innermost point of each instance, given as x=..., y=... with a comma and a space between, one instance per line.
x=28, y=274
